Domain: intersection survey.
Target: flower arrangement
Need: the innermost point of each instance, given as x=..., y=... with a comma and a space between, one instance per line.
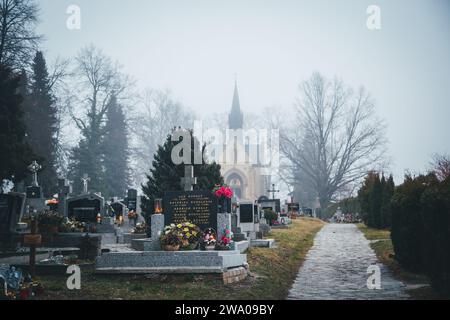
x=19, y=287
x=188, y=233
x=49, y=218
x=209, y=239
x=223, y=192
x=49, y=221
x=225, y=241
x=140, y=228
x=73, y=226
x=170, y=242
x=132, y=215
x=270, y=216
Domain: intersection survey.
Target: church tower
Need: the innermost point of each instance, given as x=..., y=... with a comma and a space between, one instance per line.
x=236, y=118
x=246, y=179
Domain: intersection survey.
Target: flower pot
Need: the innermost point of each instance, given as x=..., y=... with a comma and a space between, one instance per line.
x=190, y=246
x=171, y=247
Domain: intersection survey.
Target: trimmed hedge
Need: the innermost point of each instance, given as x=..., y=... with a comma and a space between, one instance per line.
x=421, y=228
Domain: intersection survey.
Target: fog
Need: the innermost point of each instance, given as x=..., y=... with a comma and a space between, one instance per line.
x=197, y=48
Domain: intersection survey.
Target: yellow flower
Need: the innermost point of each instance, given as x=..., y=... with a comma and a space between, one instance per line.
x=186, y=229
x=179, y=226
x=188, y=234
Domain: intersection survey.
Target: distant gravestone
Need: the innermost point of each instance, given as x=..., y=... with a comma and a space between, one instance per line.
x=132, y=200
x=85, y=208
x=11, y=211
x=246, y=213
x=35, y=200
x=198, y=207
x=63, y=193
x=119, y=209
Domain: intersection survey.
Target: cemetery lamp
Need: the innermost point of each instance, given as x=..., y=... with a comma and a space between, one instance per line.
x=158, y=206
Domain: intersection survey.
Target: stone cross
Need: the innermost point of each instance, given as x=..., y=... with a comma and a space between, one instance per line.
x=85, y=181
x=273, y=191
x=34, y=168
x=189, y=180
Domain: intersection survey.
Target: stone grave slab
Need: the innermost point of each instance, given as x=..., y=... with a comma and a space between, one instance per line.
x=165, y=262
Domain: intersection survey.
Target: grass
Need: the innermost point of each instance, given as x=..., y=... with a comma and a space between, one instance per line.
x=273, y=272
x=382, y=245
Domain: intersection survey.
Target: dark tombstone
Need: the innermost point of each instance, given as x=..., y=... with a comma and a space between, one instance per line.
x=274, y=204
x=63, y=193
x=34, y=192
x=85, y=208
x=198, y=207
x=119, y=209
x=246, y=213
x=11, y=211
x=132, y=200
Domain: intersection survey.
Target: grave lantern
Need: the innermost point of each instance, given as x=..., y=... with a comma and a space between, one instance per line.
x=158, y=206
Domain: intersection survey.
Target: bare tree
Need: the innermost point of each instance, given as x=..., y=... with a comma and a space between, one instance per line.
x=157, y=115
x=441, y=166
x=96, y=80
x=58, y=75
x=18, y=40
x=335, y=138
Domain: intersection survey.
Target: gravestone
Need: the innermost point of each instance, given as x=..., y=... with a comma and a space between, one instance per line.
x=64, y=190
x=35, y=200
x=119, y=209
x=188, y=181
x=85, y=208
x=273, y=204
x=11, y=211
x=248, y=218
x=133, y=201
x=198, y=207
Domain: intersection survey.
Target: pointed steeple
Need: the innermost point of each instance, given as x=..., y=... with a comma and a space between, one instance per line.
x=236, y=118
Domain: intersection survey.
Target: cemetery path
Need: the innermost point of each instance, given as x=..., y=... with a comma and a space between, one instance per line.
x=336, y=268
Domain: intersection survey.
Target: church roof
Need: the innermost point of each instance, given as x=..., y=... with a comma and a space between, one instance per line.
x=236, y=118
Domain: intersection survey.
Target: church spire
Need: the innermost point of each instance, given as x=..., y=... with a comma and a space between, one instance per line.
x=236, y=118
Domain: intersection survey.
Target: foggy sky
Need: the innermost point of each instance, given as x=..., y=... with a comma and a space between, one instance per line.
x=195, y=47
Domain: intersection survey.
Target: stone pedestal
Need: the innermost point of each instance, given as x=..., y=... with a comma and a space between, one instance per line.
x=157, y=225
x=223, y=223
x=152, y=243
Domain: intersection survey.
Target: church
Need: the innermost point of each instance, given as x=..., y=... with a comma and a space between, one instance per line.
x=249, y=180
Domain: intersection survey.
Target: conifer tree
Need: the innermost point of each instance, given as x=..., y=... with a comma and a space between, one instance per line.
x=115, y=151
x=166, y=176
x=42, y=123
x=388, y=193
x=15, y=153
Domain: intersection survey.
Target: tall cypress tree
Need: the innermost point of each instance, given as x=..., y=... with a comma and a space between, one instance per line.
x=42, y=123
x=86, y=159
x=376, y=197
x=388, y=193
x=166, y=176
x=15, y=153
x=364, y=195
x=115, y=151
